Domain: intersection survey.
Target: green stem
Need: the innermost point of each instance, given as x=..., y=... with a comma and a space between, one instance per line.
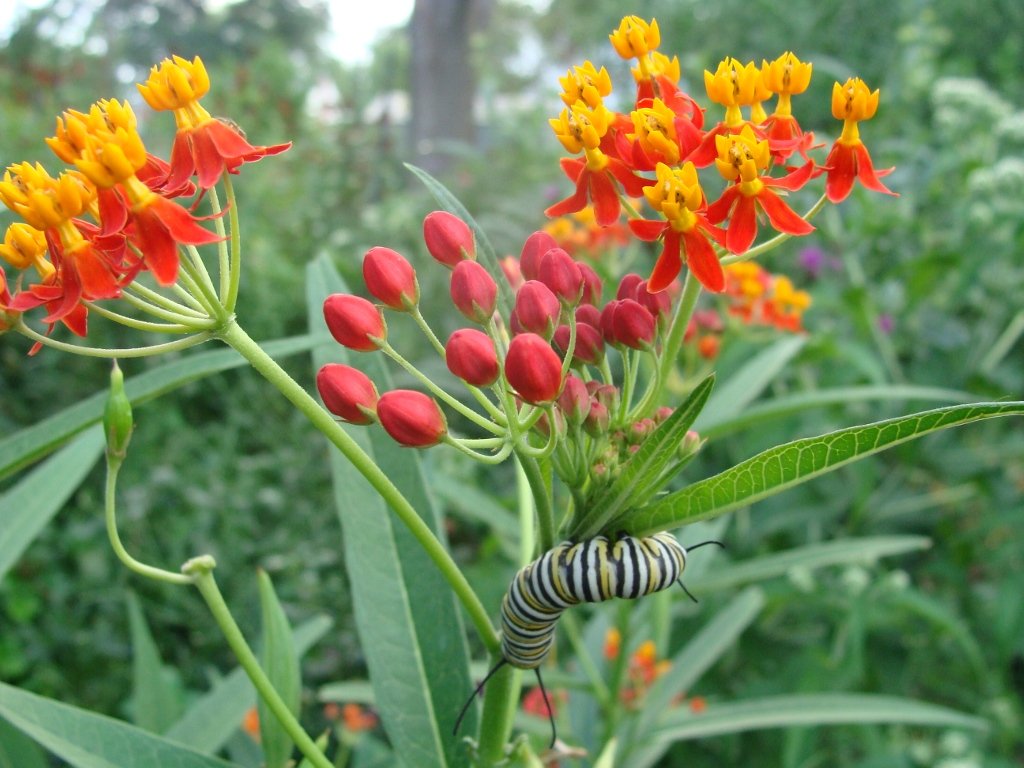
x=156, y=349
x=191, y=307
x=542, y=500
x=149, y=571
x=775, y=242
x=597, y=685
x=179, y=314
x=202, y=571
x=674, y=340
x=143, y=325
x=223, y=266
x=421, y=321
x=500, y=699
x=239, y=340
x=235, y=269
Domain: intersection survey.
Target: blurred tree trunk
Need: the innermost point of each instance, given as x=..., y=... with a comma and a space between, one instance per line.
x=442, y=79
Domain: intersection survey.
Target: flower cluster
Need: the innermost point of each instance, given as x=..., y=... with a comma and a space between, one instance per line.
x=757, y=297
x=665, y=133
x=91, y=231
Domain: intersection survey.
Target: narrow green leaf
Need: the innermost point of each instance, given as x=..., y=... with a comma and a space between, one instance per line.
x=156, y=700
x=863, y=550
x=697, y=656
x=809, y=710
x=29, y=505
x=784, y=406
x=211, y=720
x=485, y=251
x=778, y=468
x=19, y=751
x=746, y=385
x=280, y=662
x=359, y=691
x=641, y=476
x=32, y=443
x=88, y=740
x=408, y=621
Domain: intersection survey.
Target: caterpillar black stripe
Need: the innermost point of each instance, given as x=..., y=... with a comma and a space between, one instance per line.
x=590, y=571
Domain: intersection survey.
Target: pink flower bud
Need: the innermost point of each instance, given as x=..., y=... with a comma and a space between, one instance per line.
x=574, y=400
x=470, y=356
x=592, y=285
x=589, y=347
x=627, y=286
x=589, y=314
x=658, y=304
x=449, y=239
x=663, y=413
x=598, y=419
x=606, y=325
x=606, y=394
x=533, y=369
x=474, y=291
x=348, y=393
x=354, y=322
x=412, y=418
x=534, y=248
x=632, y=325
x=562, y=275
x=537, y=308
x=390, y=278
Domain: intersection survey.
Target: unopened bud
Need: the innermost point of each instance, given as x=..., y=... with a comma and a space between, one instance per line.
x=473, y=291
x=390, y=278
x=537, y=309
x=470, y=355
x=533, y=369
x=117, y=417
x=632, y=325
x=347, y=393
x=589, y=349
x=559, y=272
x=354, y=322
x=411, y=418
x=574, y=400
x=534, y=248
x=449, y=239
x=597, y=421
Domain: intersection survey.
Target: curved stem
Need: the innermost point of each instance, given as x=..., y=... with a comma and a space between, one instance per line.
x=435, y=342
x=223, y=266
x=235, y=267
x=239, y=340
x=75, y=349
x=484, y=458
x=197, y=268
x=155, y=304
x=202, y=571
x=110, y=504
x=143, y=325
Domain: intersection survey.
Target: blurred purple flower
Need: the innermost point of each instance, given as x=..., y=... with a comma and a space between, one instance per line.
x=886, y=323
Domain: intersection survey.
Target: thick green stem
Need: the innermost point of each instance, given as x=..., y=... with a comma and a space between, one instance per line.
x=235, y=337
x=500, y=699
x=541, y=497
x=201, y=569
x=673, y=342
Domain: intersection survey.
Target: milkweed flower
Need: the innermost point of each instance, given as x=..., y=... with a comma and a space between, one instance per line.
x=849, y=159
x=785, y=77
x=204, y=146
x=742, y=158
x=678, y=196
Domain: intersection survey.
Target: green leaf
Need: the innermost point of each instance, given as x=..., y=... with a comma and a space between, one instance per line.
x=280, y=662
x=217, y=714
x=28, y=506
x=697, y=656
x=19, y=751
x=778, y=468
x=808, y=710
x=863, y=550
x=156, y=700
x=485, y=251
x=746, y=384
x=88, y=740
x=359, y=691
x=643, y=475
x=409, y=623
x=32, y=443
x=785, y=406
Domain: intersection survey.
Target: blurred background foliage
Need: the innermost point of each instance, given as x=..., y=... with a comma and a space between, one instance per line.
x=922, y=289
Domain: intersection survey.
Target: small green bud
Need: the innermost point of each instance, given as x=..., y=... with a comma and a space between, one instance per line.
x=117, y=417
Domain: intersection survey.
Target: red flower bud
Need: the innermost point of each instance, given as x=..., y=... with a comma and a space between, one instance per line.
x=390, y=278
x=598, y=419
x=658, y=304
x=627, y=286
x=574, y=400
x=537, y=308
x=347, y=392
x=534, y=248
x=592, y=285
x=589, y=347
x=562, y=275
x=533, y=369
x=474, y=291
x=412, y=418
x=606, y=394
x=470, y=356
x=606, y=325
x=632, y=325
x=449, y=239
x=354, y=322
x=589, y=314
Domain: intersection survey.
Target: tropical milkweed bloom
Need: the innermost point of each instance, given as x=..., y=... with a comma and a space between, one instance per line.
x=678, y=196
x=786, y=76
x=849, y=159
x=204, y=145
x=742, y=158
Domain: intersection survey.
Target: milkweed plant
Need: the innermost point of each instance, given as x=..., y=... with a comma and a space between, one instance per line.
x=587, y=380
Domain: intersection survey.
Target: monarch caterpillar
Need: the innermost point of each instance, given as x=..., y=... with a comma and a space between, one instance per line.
x=589, y=571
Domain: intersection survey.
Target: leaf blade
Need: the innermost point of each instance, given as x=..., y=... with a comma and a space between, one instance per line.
x=279, y=660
